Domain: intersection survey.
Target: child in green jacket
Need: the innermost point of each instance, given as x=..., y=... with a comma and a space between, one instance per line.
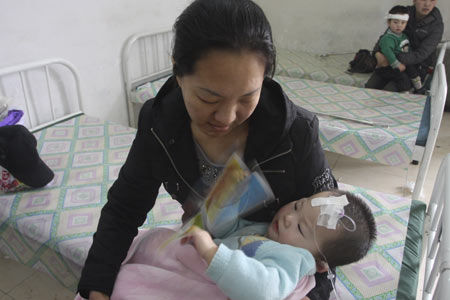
x=393, y=42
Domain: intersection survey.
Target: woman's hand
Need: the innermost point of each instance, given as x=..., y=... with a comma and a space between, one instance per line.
x=381, y=60
x=94, y=295
x=202, y=241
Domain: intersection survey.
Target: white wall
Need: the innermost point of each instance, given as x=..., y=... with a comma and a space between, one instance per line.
x=90, y=34
x=333, y=26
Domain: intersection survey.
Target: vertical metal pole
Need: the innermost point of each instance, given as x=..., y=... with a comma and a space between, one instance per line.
x=47, y=77
x=25, y=96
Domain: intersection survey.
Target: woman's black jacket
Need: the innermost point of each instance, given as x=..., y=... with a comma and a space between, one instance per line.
x=283, y=142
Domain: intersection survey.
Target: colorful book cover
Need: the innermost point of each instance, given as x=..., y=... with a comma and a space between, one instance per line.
x=236, y=193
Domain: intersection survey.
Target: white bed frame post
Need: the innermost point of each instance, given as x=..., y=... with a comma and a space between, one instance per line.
x=438, y=94
x=154, y=64
x=437, y=233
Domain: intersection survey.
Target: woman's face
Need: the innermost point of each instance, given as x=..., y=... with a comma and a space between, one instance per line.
x=424, y=7
x=223, y=90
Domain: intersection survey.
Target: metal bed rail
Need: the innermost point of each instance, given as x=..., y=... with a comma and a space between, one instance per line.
x=27, y=87
x=438, y=93
x=443, y=46
x=153, y=61
x=437, y=268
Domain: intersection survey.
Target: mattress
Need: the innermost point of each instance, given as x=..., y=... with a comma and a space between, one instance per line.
x=383, y=127
x=148, y=90
x=50, y=229
x=327, y=68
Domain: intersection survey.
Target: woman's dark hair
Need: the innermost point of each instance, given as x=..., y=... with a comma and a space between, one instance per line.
x=233, y=25
x=399, y=9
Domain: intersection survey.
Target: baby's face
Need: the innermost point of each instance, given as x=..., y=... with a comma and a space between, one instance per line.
x=296, y=224
x=397, y=26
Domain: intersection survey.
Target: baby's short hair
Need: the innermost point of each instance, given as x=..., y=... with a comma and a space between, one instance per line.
x=399, y=10
x=349, y=247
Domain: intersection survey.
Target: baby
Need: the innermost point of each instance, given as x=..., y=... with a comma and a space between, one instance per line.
x=266, y=261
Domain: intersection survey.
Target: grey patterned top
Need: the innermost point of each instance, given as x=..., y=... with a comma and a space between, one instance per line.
x=208, y=170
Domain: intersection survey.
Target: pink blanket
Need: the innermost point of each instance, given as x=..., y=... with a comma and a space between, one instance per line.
x=176, y=272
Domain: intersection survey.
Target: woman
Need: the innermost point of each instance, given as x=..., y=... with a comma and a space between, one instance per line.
x=219, y=101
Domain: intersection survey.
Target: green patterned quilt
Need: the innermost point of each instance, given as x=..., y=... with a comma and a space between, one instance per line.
x=345, y=113
x=328, y=68
x=376, y=276
x=51, y=229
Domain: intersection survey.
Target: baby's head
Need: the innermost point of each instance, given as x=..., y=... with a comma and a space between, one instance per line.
x=296, y=224
x=397, y=18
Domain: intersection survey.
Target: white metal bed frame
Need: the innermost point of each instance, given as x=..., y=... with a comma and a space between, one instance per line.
x=437, y=237
x=438, y=94
x=152, y=65
x=27, y=87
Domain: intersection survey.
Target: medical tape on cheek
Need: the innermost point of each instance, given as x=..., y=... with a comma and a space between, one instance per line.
x=331, y=210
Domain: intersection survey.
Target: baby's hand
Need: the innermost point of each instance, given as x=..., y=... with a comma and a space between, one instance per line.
x=401, y=67
x=202, y=241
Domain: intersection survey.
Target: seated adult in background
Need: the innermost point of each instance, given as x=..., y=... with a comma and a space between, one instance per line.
x=424, y=31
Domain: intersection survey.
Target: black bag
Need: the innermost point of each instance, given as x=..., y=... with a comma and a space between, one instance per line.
x=363, y=62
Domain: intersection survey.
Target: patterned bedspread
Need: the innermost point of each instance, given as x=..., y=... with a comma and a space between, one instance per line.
x=395, y=118
x=328, y=68
x=376, y=276
x=148, y=90
x=51, y=229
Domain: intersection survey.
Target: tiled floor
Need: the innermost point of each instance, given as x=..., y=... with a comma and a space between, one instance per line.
x=19, y=282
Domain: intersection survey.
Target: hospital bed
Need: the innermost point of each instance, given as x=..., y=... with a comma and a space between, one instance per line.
x=50, y=229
